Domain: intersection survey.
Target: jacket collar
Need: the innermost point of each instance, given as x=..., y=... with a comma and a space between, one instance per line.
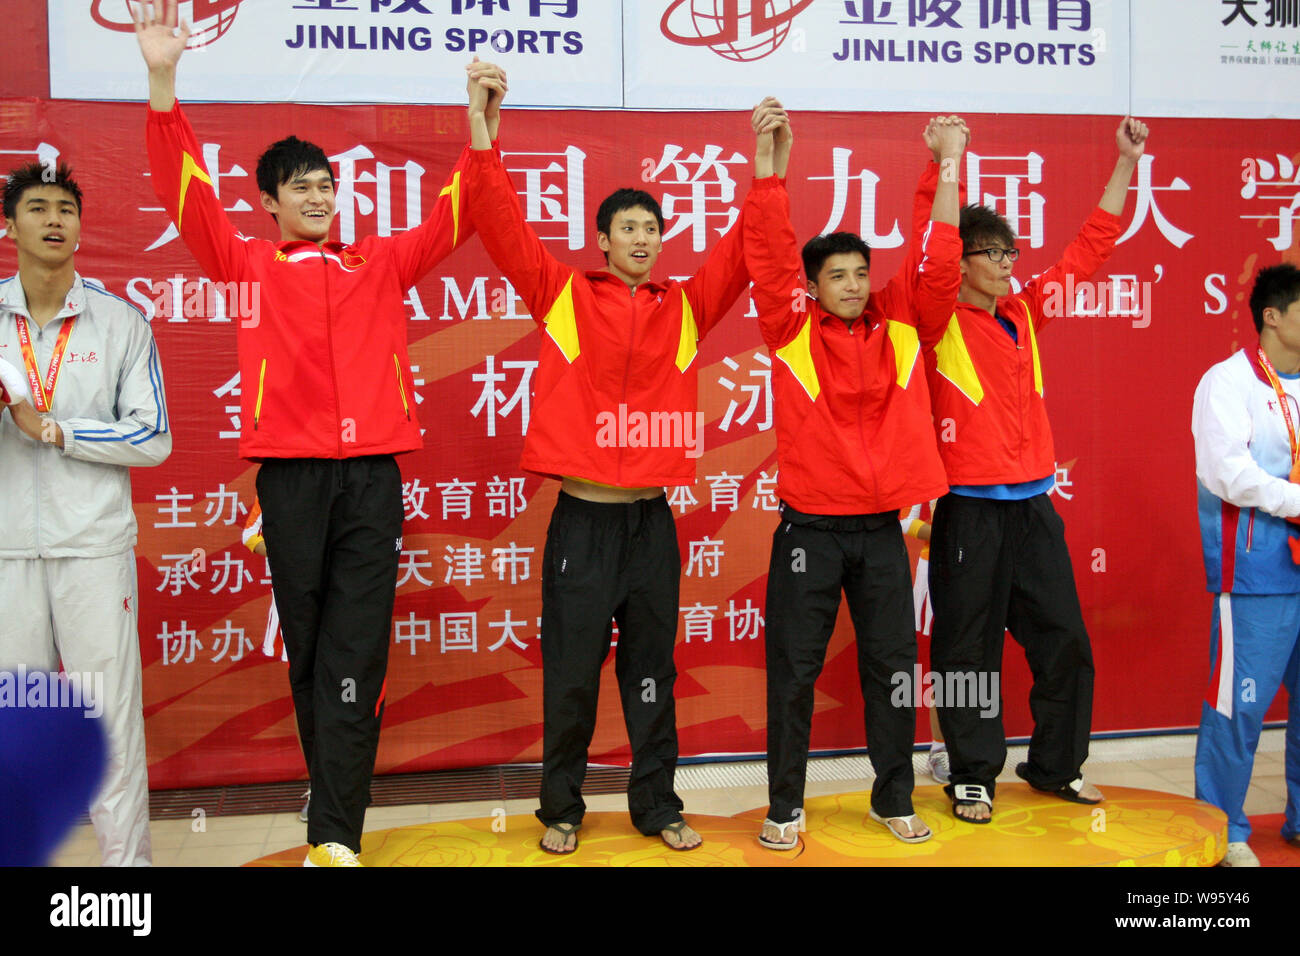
x=1011, y=308
x=290, y=246
x=14, y=299
x=656, y=288
x=1252, y=356
x=298, y=250
x=823, y=317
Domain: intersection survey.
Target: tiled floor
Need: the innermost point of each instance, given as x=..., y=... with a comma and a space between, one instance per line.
x=1153, y=763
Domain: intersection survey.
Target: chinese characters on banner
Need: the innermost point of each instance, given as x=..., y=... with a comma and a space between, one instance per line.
x=464, y=677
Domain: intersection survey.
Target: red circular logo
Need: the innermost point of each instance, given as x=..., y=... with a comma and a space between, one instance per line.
x=739, y=30
x=208, y=19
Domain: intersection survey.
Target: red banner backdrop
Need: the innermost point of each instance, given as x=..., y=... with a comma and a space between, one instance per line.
x=465, y=673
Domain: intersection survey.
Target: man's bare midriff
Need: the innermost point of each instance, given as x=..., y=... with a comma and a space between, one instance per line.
x=604, y=494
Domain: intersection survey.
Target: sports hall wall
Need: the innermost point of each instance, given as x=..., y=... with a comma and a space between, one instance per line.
x=1211, y=202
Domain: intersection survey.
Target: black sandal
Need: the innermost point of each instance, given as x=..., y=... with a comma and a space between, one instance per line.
x=1069, y=792
x=967, y=795
x=569, y=830
x=677, y=828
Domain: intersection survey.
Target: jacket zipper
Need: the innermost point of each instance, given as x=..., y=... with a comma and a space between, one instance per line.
x=401, y=389
x=1020, y=394
x=329, y=342
x=862, y=378
x=37, y=486
x=627, y=370
x=257, y=409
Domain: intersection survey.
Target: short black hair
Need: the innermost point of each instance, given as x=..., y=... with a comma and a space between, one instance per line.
x=820, y=248
x=622, y=199
x=287, y=160
x=1276, y=287
x=979, y=226
x=38, y=174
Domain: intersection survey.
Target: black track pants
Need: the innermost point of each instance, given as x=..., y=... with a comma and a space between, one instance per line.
x=1004, y=565
x=332, y=532
x=865, y=557
x=603, y=562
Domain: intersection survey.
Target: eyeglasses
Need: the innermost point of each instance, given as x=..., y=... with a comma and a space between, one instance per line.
x=995, y=254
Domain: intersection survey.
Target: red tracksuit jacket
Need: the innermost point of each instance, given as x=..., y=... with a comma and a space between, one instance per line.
x=986, y=389
x=609, y=354
x=324, y=373
x=852, y=409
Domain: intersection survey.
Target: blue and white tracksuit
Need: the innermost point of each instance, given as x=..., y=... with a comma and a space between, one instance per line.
x=68, y=590
x=1243, y=460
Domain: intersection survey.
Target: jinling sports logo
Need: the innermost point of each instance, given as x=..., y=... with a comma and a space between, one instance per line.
x=208, y=19
x=740, y=30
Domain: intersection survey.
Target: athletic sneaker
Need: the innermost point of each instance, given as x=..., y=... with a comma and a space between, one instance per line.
x=331, y=854
x=939, y=765
x=302, y=814
x=1240, y=854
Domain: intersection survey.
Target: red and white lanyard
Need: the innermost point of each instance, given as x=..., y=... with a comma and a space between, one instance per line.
x=1286, y=406
x=43, y=392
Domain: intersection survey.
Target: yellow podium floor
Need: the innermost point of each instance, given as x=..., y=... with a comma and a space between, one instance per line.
x=1131, y=828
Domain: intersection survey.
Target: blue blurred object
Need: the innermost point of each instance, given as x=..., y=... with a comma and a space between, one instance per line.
x=52, y=760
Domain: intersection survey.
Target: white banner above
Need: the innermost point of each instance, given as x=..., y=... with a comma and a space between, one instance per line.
x=1228, y=59
x=558, y=52
x=1215, y=58
x=1018, y=56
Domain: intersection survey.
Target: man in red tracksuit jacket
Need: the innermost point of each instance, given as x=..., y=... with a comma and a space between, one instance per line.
x=854, y=445
x=998, y=559
x=327, y=401
x=614, y=418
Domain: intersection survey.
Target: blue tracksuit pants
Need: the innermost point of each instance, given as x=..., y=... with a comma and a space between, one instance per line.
x=1254, y=648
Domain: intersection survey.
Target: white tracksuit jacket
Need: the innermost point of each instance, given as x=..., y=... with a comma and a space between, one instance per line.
x=1243, y=463
x=76, y=501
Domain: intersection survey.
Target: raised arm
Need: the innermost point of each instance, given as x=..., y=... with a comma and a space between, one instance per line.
x=930, y=276
x=486, y=88
x=180, y=179
x=161, y=46
x=942, y=171
x=494, y=206
x=449, y=223
x=446, y=228
x=1131, y=141
x=773, y=139
x=771, y=248
x=947, y=138
x=1096, y=240
x=725, y=274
